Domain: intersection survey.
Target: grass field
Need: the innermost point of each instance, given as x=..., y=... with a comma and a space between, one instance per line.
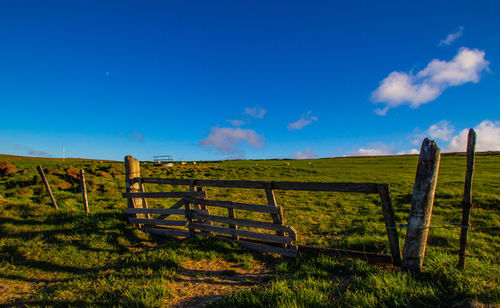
x=66, y=257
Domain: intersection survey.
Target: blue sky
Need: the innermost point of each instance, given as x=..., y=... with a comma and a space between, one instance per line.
x=204, y=80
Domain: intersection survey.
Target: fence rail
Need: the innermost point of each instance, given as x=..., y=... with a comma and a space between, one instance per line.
x=169, y=194
x=248, y=223
x=237, y=206
x=369, y=188
x=157, y=211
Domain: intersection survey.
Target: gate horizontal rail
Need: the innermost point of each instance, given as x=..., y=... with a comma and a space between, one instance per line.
x=368, y=188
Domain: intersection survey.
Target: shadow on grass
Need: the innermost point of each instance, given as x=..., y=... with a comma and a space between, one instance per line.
x=14, y=182
x=65, y=232
x=49, y=245
x=133, y=278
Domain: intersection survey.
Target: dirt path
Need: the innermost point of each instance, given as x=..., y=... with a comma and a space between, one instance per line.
x=203, y=281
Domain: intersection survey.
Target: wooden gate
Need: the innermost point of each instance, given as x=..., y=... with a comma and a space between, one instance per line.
x=196, y=218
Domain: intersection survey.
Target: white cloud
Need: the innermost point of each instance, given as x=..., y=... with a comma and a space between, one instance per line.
x=381, y=150
x=450, y=38
x=236, y=123
x=375, y=149
x=227, y=139
x=302, y=122
x=464, y=67
x=39, y=153
x=412, y=151
x=401, y=88
x=307, y=154
x=441, y=130
x=255, y=112
x=488, y=138
x=370, y=152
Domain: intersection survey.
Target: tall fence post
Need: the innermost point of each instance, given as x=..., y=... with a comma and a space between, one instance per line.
x=467, y=201
x=47, y=186
x=84, y=191
x=132, y=171
x=422, y=202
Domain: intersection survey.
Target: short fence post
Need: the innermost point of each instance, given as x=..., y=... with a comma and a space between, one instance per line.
x=192, y=187
x=192, y=232
x=133, y=171
x=47, y=186
x=390, y=223
x=144, y=201
x=230, y=213
x=204, y=208
x=271, y=200
x=467, y=201
x=422, y=202
x=84, y=191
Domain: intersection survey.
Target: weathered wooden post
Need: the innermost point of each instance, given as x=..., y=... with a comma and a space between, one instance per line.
x=189, y=217
x=204, y=208
x=84, y=191
x=231, y=214
x=192, y=187
x=142, y=189
x=422, y=202
x=47, y=186
x=467, y=201
x=271, y=200
x=390, y=223
x=133, y=171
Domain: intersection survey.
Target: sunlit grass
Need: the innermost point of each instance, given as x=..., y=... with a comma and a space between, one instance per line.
x=69, y=257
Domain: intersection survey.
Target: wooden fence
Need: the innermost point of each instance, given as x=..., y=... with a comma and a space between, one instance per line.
x=193, y=206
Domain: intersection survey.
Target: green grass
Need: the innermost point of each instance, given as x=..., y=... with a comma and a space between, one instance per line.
x=67, y=257
x=98, y=258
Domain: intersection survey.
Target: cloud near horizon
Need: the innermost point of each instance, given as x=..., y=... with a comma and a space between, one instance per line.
x=450, y=38
x=371, y=152
x=441, y=130
x=375, y=149
x=226, y=139
x=380, y=149
x=410, y=152
x=39, y=153
x=30, y=151
x=488, y=138
x=401, y=88
x=307, y=154
x=302, y=122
